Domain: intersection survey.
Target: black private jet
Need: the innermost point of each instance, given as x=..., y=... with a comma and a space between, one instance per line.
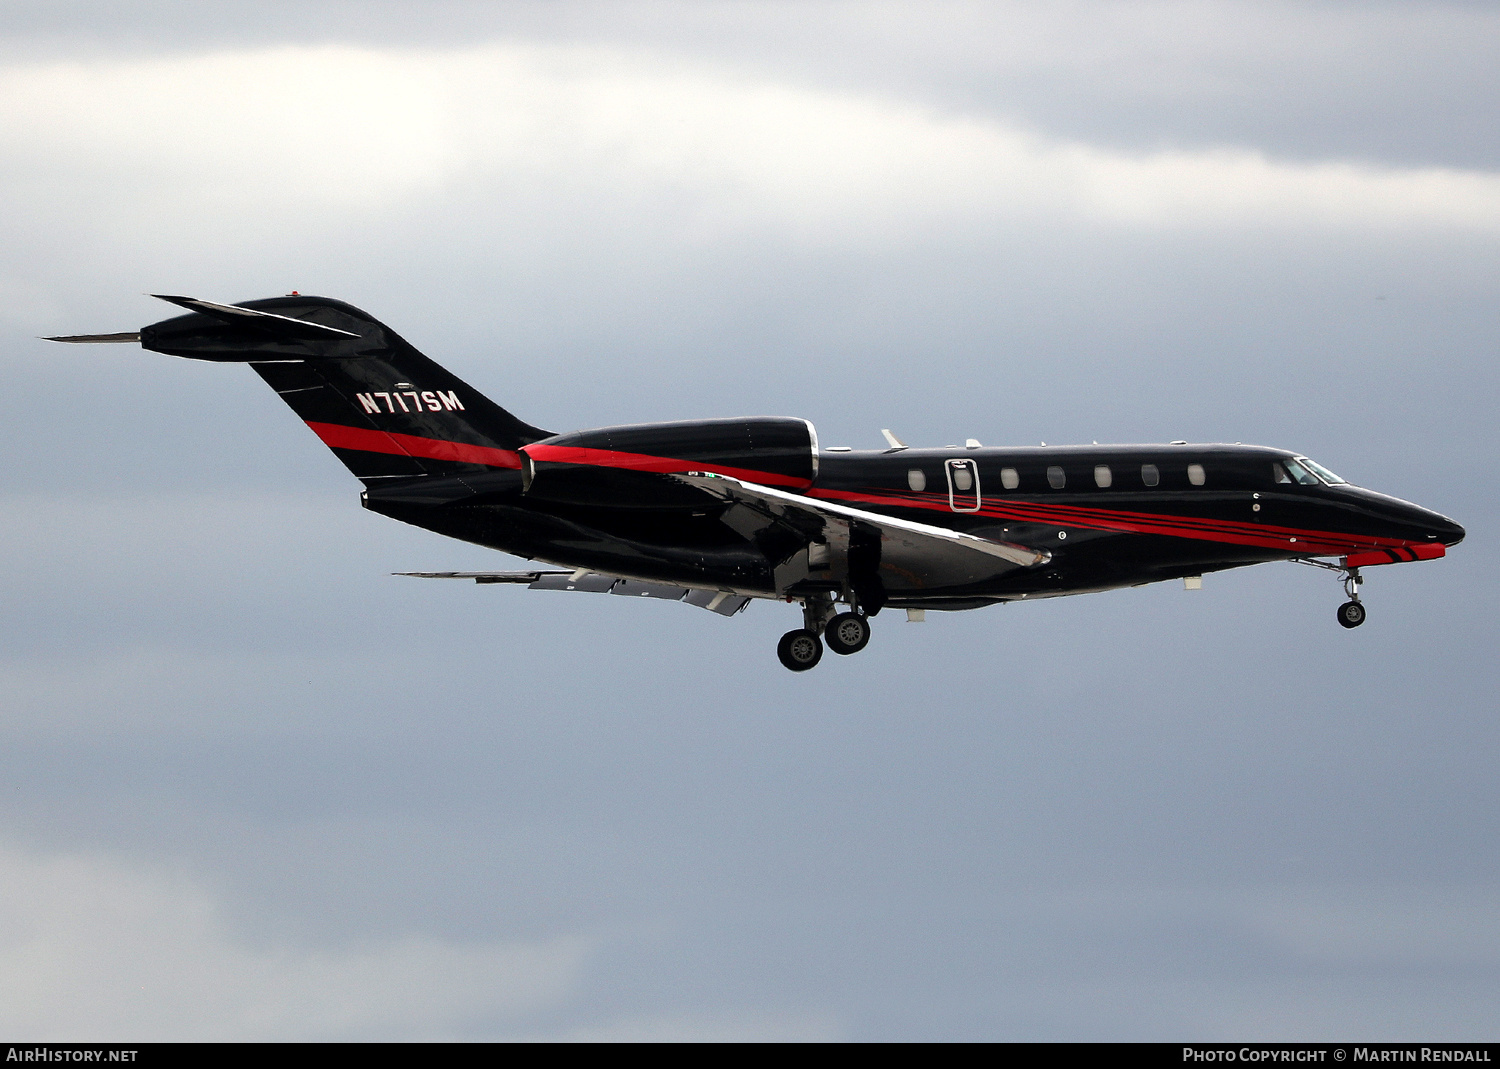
x=717, y=512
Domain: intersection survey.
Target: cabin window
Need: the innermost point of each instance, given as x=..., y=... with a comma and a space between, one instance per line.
x=1009, y=478
x=963, y=479
x=1195, y=474
x=1150, y=475
x=1055, y=477
x=1102, y=476
x=916, y=480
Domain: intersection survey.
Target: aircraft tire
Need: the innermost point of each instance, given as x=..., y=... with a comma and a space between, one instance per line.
x=847, y=633
x=1351, y=614
x=799, y=650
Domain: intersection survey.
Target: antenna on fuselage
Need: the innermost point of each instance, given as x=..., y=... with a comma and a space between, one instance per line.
x=894, y=442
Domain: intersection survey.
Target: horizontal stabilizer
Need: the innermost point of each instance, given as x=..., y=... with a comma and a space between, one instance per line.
x=269, y=322
x=722, y=602
x=484, y=577
x=133, y=336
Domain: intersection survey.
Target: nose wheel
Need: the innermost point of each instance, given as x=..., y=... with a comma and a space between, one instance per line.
x=1352, y=612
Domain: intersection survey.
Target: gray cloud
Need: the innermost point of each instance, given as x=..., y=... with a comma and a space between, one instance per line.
x=1406, y=83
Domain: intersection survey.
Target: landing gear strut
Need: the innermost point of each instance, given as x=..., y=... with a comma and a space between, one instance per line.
x=1352, y=612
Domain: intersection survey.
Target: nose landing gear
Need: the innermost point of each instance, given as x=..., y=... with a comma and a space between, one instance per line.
x=1352, y=612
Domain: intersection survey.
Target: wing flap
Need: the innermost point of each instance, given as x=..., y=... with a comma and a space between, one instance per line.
x=723, y=602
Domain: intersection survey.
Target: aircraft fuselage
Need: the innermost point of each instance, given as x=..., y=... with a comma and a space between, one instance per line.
x=1089, y=506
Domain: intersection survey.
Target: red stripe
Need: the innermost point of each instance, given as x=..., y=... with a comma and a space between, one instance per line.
x=1233, y=532
x=337, y=436
x=1422, y=551
x=1319, y=543
x=610, y=458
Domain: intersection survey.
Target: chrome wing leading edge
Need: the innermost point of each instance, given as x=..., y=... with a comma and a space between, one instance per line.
x=913, y=557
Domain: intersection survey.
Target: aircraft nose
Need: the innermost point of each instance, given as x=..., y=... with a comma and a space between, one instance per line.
x=1440, y=528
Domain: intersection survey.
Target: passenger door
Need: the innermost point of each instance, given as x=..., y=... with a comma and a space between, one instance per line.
x=963, y=485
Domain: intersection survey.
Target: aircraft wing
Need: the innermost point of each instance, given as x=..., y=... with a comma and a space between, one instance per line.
x=913, y=556
x=722, y=602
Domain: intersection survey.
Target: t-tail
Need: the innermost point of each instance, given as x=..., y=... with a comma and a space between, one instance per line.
x=382, y=407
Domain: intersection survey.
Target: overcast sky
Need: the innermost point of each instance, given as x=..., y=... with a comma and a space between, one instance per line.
x=258, y=788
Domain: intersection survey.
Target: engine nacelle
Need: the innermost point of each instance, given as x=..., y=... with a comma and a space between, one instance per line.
x=625, y=466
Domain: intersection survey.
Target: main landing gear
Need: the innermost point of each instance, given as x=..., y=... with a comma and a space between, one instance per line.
x=848, y=632
x=844, y=632
x=1352, y=612
x=799, y=650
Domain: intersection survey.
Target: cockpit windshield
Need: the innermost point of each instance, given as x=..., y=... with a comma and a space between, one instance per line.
x=1311, y=473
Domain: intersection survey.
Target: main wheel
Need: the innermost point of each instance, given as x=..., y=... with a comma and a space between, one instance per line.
x=1351, y=614
x=847, y=633
x=799, y=650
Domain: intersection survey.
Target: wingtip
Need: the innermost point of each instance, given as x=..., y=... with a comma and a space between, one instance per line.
x=180, y=300
x=125, y=337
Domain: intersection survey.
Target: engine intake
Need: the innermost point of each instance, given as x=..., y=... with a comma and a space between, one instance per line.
x=625, y=466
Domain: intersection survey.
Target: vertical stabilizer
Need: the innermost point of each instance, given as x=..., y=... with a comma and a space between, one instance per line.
x=382, y=407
